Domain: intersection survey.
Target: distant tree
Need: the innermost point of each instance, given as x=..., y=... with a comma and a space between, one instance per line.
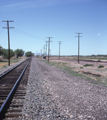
x=19, y=53
x=5, y=53
x=12, y=53
x=93, y=55
x=29, y=54
x=1, y=50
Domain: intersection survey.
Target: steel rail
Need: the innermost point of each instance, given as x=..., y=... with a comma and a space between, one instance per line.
x=1, y=76
x=5, y=105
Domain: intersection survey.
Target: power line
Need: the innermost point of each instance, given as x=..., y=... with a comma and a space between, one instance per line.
x=1, y=32
x=26, y=33
x=49, y=47
x=44, y=50
x=8, y=39
x=59, y=49
x=55, y=49
x=41, y=52
x=28, y=28
x=46, y=47
x=78, y=43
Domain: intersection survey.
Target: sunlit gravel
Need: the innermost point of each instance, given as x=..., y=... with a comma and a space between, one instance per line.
x=53, y=94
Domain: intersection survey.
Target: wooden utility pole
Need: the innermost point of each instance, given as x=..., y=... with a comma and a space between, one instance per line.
x=41, y=52
x=46, y=47
x=49, y=47
x=78, y=43
x=59, y=49
x=44, y=50
x=8, y=39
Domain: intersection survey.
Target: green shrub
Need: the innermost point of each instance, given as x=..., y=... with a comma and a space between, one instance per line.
x=86, y=65
x=100, y=66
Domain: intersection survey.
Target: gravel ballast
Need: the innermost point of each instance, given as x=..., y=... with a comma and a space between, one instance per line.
x=53, y=94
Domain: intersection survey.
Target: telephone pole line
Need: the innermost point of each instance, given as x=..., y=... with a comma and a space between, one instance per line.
x=46, y=47
x=44, y=50
x=41, y=52
x=78, y=43
x=49, y=47
x=59, y=49
x=8, y=39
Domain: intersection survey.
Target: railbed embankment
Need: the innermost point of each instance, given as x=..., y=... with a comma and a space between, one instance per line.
x=53, y=94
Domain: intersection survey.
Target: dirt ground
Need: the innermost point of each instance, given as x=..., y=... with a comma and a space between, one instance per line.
x=92, y=71
x=2, y=64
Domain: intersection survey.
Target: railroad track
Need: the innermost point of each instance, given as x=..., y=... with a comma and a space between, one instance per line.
x=12, y=90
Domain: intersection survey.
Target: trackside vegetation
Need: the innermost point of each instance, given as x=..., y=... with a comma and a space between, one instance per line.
x=17, y=53
x=29, y=54
x=92, y=73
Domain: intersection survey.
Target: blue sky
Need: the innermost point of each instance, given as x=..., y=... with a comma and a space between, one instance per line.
x=34, y=20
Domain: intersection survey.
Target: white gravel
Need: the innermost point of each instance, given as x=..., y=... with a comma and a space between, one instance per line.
x=56, y=95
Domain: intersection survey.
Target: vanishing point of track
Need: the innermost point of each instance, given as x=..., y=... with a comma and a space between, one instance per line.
x=13, y=89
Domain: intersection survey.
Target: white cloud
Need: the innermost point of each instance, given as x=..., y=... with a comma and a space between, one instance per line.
x=99, y=34
x=37, y=3
x=24, y=5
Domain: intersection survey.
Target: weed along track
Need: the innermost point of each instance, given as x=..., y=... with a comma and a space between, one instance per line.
x=13, y=89
x=97, y=75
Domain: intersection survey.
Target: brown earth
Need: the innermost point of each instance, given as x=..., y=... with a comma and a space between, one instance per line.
x=91, y=71
x=2, y=64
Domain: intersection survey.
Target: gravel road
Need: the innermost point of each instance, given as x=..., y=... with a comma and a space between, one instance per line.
x=53, y=94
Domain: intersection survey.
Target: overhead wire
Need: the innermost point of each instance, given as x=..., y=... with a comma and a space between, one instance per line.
x=69, y=39
x=26, y=33
x=55, y=48
x=1, y=32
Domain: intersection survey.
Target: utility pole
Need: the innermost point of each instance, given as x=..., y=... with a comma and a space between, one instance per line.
x=49, y=47
x=8, y=39
x=59, y=49
x=78, y=43
x=44, y=50
x=46, y=47
x=41, y=52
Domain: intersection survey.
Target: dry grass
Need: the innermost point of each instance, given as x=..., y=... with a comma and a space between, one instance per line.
x=3, y=64
x=93, y=72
